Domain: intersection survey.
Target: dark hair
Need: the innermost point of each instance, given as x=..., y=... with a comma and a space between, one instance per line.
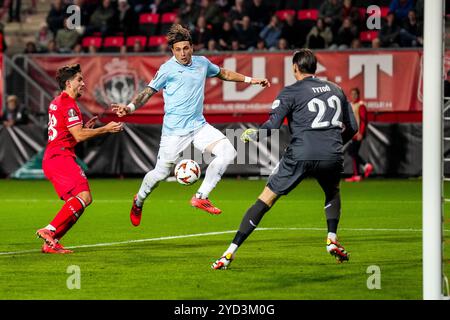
x=356, y=90
x=66, y=73
x=305, y=60
x=178, y=33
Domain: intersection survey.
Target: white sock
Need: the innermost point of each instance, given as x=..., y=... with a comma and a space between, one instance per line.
x=231, y=249
x=51, y=228
x=332, y=236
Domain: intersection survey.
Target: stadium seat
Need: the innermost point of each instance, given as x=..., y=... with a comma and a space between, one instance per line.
x=113, y=43
x=384, y=11
x=155, y=41
x=132, y=40
x=368, y=36
x=281, y=14
x=148, y=23
x=91, y=41
x=309, y=14
x=167, y=19
x=307, y=18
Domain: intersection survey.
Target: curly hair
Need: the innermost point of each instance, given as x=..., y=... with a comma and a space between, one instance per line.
x=178, y=33
x=66, y=73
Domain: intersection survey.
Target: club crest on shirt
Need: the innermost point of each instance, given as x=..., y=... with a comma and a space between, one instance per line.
x=72, y=115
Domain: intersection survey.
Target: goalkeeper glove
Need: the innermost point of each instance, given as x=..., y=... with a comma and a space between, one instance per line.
x=249, y=135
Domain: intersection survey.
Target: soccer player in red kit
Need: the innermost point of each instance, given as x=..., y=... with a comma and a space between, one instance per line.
x=65, y=130
x=360, y=112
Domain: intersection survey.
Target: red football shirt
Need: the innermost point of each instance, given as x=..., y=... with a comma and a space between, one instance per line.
x=63, y=113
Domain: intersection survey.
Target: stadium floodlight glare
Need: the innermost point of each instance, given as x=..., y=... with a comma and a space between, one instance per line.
x=432, y=150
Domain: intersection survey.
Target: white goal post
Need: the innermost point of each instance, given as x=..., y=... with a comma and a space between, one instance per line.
x=432, y=171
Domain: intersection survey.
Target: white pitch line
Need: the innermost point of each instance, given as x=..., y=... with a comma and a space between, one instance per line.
x=210, y=234
x=174, y=201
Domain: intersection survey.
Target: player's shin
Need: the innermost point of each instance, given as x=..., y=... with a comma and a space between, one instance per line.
x=251, y=219
x=68, y=216
x=333, y=213
x=150, y=182
x=225, y=154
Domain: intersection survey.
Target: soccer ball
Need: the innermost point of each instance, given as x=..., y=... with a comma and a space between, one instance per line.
x=187, y=172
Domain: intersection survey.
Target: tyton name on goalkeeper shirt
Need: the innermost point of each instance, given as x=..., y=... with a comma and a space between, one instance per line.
x=183, y=91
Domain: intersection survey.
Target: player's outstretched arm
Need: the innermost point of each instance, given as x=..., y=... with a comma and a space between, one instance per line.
x=81, y=133
x=229, y=75
x=122, y=110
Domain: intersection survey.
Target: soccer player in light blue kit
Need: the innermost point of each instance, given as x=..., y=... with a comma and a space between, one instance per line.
x=182, y=79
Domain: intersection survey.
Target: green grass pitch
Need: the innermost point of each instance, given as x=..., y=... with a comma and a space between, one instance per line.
x=380, y=226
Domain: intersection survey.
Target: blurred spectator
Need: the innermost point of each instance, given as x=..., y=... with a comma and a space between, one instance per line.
x=320, y=36
x=56, y=15
x=389, y=33
x=189, y=12
x=282, y=44
x=43, y=36
x=162, y=6
x=346, y=34
x=271, y=33
x=212, y=46
x=227, y=34
x=66, y=38
x=261, y=45
x=246, y=34
x=51, y=47
x=292, y=32
x=212, y=13
x=376, y=43
x=164, y=48
x=86, y=9
x=350, y=11
x=259, y=14
x=411, y=33
x=92, y=49
x=127, y=19
x=331, y=12
x=235, y=45
x=401, y=8
x=356, y=44
x=237, y=12
x=30, y=47
x=137, y=47
x=14, y=113
x=77, y=49
x=102, y=20
x=14, y=10
x=201, y=35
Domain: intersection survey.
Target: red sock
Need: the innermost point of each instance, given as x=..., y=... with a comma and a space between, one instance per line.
x=70, y=211
x=61, y=231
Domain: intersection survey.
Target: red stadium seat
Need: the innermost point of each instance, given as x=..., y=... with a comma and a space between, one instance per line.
x=113, y=43
x=148, y=23
x=281, y=14
x=91, y=41
x=384, y=11
x=132, y=40
x=309, y=14
x=155, y=41
x=167, y=19
x=368, y=36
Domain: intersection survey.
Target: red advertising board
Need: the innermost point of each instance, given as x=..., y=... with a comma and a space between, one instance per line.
x=389, y=81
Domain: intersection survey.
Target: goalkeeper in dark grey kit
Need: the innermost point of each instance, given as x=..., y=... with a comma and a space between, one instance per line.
x=320, y=121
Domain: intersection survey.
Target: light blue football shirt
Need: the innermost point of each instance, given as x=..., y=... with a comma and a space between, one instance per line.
x=183, y=91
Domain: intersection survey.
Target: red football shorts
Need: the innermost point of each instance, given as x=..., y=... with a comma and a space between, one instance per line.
x=66, y=176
